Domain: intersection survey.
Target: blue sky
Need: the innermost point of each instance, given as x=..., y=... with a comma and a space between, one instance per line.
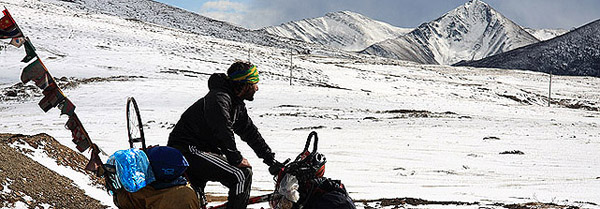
x=255, y=14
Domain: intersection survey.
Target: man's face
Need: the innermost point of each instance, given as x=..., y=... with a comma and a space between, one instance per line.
x=248, y=91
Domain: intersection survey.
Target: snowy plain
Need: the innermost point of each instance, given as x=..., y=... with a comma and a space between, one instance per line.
x=388, y=128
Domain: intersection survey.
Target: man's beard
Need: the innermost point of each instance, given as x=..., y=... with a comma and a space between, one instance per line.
x=249, y=97
x=247, y=94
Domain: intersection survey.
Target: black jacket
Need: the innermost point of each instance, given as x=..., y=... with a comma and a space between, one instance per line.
x=209, y=124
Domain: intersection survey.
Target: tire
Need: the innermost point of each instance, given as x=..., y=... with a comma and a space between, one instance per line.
x=135, y=128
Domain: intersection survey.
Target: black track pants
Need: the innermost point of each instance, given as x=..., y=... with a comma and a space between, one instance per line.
x=206, y=166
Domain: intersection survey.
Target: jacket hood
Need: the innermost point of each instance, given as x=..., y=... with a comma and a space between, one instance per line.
x=220, y=82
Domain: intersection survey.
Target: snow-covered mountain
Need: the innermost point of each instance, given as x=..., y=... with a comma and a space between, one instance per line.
x=150, y=11
x=545, y=34
x=344, y=29
x=455, y=135
x=471, y=31
x=574, y=53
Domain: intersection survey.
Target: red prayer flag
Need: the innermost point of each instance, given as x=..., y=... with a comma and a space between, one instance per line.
x=80, y=136
x=37, y=72
x=8, y=27
x=95, y=163
x=66, y=107
x=6, y=23
x=52, y=97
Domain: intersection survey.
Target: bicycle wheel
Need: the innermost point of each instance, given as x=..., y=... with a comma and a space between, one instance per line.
x=134, y=125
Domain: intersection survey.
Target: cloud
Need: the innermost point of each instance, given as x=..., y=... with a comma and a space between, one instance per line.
x=232, y=12
x=549, y=13
x=224, y=6
x=256, y=14
x=403, y=13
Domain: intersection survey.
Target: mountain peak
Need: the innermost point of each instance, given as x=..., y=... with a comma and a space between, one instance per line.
x=471, y=31
x=475, y=2
x=342, y=29
x=342, y=12
x=474, y=6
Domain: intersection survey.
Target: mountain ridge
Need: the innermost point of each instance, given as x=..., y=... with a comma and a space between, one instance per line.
x=574, y=53
x=471, y=31
x=154, y=12
x=546, y=33
x=347, y=30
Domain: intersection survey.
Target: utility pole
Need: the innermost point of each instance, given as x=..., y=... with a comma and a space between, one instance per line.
x=550, y=88
x=291, y=66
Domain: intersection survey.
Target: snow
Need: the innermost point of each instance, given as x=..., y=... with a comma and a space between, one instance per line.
x=5, y=185
x=20, y=205
x=546, y=34
x=370, y=144
x=344, y=29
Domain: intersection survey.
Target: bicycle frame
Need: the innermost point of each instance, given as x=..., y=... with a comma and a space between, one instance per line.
x=264, y=198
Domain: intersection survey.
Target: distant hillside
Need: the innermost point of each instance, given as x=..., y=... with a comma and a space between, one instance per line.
x=161, y=14
x=471, y=31
x=574, y=53
x=345, y=30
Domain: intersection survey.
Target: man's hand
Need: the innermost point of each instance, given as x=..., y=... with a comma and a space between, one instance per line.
x=275, y=168
x=244, y=164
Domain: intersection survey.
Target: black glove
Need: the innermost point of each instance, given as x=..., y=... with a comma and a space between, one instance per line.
x=275, y=167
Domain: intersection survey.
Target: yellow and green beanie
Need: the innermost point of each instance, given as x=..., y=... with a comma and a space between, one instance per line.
x=245, y=76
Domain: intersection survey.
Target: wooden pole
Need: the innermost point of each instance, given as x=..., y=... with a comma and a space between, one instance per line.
x=550, y=88
x=291, y=67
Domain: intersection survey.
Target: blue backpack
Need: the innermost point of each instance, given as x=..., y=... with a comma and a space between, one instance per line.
x=132, y=169
x=167, y=163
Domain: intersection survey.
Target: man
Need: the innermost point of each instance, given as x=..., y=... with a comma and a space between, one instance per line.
x=204, y=134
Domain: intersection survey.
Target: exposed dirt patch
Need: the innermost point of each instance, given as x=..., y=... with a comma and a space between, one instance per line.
x=531, y=98
x=538, y=205
x=26, y=181
x=68, y=83
x=19, y=92
x=515, y=98
x=350, y=114
x=23, y=180
x=513, y=152
x=575, y=104
x=491, y=138
x=63, y=155
x=22, y=92
x=309, y=128
x=404, y=202
x=405, y=113
x=183, y=72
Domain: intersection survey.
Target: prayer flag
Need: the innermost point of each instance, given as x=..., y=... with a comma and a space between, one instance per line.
x=8, y=27
x=17, y=42
x=66, y=107
x=52, y=97
x=80, y=137
x=95, y=162
x=30, y=50
x=37, y=72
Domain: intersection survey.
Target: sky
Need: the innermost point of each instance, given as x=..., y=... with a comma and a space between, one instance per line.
x=255, y=14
